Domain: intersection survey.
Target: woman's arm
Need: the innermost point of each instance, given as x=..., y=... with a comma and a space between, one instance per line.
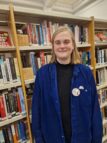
x=36, y=117
x=97, y=129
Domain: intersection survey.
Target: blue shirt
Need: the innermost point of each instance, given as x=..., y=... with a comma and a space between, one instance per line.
x=46, y=114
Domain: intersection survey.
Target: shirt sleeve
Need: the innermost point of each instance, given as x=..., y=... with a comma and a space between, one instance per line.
x=97, y=128
x=36, y=117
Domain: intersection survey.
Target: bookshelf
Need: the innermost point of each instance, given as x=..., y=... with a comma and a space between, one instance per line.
x=101, y=67
x=37, y=17
x=12, y=115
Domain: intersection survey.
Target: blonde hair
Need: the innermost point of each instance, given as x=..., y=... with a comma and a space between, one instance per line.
x=75, y=58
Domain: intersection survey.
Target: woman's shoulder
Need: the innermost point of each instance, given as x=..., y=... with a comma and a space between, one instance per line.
x=84, y=67
x=45, y=68
x=86, y=71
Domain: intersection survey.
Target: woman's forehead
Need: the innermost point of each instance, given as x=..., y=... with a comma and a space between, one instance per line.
x=64, y=34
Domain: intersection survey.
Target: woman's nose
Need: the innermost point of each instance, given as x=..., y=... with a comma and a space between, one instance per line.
x=62, y=45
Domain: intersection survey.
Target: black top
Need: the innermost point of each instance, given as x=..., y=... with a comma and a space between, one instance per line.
x=64, y=75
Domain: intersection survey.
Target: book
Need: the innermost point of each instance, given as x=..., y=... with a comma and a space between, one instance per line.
x=5, y=37
x=14, y=134
x=20, y=92
x=10, y=134
x=22, y=130
x=2, y=109
x=5, y=134
x=2, y=140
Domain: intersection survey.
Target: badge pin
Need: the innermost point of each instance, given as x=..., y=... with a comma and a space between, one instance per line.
x=81, y=87
x=76, y=92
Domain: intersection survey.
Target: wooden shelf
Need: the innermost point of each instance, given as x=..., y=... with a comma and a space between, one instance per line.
x=29, y=81
x=14, y=119
x=47, y=47
x=83, y=45
x=101, y=44
x=9, y=85
x=102, y=86
x=98, y=66
x=7, y=49
x=35, y=48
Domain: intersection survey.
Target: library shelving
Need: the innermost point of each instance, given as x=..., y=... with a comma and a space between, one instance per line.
x=101, y=68
x=21, y=20
x=42, y=48
x=13, y=109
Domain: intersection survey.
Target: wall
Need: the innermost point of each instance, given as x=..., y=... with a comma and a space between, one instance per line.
x=98, y=10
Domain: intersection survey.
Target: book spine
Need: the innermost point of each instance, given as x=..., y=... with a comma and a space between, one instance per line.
x=18, y=102
x=12, y=104
x=4, y=73
x=14, y=134
x=1, y=137
x=9, y=69
x=7, y=105
x=2, y=108
x=1, y=75
x=22, y=130
x=5, y=134
x=10, y=135
x=32, y=60
x=21, y=100
x=12, y=66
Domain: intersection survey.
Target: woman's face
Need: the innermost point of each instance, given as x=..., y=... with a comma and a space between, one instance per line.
x=63, y=47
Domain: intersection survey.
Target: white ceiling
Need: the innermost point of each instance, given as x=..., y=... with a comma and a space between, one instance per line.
x=68, y=6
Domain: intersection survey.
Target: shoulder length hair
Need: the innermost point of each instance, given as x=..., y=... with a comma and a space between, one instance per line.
x=75, y=57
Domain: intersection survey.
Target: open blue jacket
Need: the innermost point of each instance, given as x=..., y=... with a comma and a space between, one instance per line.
x=46, y=115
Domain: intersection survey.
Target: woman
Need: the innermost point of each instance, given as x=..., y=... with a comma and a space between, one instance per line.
x=65, y=106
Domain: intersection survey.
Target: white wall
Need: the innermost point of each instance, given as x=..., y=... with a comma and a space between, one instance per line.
x=98, y=10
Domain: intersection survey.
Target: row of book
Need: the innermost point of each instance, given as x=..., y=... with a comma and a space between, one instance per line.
x=29, y=92
x=101, y=55
x=101, y=76
x=102, y=94
x=41, y=33
x=14, y=133
x=9, y=71
x=35, y=60
x=11, y=103
x=85, y=57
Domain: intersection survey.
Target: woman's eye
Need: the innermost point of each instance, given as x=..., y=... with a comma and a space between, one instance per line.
x=66, y=41
x=57, y=42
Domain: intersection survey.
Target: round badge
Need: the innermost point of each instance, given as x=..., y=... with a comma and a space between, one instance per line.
x=76, y=92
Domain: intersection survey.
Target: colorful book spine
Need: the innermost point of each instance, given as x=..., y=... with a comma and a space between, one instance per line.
x=21, y=100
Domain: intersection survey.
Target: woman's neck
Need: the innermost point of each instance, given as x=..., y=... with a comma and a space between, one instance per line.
x=64, y=62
